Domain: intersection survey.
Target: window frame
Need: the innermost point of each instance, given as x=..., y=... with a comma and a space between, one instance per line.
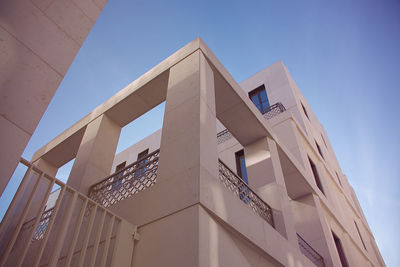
x=257, y=92
x=315, y=173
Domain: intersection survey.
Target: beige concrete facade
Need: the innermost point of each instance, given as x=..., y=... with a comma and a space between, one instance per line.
x=189, y=205
x=39, y=40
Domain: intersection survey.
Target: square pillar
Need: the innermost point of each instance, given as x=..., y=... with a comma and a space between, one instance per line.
x=96, y=153
x=188, y=142
x=265, y=175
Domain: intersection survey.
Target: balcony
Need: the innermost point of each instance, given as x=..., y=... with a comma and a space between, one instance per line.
x=127, y=182
x=310, y=253
x=239, y=188
x=268, y=113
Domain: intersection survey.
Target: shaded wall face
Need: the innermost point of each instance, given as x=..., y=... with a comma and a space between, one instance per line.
x=39, y=42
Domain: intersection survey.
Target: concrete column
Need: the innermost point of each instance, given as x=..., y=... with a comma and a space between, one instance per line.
x=188, y=143
x=265, y=174
x=96, y=153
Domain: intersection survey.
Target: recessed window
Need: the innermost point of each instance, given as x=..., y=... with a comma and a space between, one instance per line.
x=340, y=182
x=323, y=140
x=316, y=175
x=305, y=111
x=319, y=149
x=259, y=97
x=241, y=165
x=340, y=250
x=141, y=165
x=120, y=166
x=143, y=154
x=359, y=234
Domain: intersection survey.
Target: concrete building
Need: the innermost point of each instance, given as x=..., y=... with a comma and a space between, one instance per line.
x=239, y=175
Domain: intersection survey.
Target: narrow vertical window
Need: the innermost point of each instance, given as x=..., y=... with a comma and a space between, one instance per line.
x=340, y=182
x=259, y=97
x=340, y=250
x=359, y=234
x=143, y=154
x=319, y=149
x=323, y=140
x=305, y=111
x=120, y=166
x=141, y=166
x=241, y=165
x=316, y=175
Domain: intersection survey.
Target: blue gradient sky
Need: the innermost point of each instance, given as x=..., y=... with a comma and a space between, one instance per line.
x=344, y=56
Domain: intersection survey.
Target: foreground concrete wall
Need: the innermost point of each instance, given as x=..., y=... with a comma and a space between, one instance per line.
x=39, y=40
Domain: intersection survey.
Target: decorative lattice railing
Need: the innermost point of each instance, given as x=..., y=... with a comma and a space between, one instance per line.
x=310, y=253
x=244, y=192
x=268, y=113
x=273, y=110
x=125, y=183
x=41, y=227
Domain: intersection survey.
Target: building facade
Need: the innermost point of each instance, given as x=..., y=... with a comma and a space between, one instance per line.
x=239, y=175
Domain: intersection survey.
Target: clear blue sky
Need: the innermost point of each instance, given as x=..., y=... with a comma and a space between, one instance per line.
x=344, y=56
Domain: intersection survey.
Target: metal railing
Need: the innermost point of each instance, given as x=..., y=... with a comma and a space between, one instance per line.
x=223, y=136
x=273, y=110
x=41, y=226
x=127, y=182
x=244, y=192
x=268, y=113
x=310, y=253
x=62, y=234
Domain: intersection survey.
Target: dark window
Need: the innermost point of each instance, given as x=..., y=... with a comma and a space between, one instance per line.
x=359, y=234
x=340, y=250
x=259, y=97
x=340, y=182
x=141, y=170
x=316, y=175
x=323, y=140
x=120, y=166
x=142, y=154
x=305, y=111
x=319, y=149
x=241, y=165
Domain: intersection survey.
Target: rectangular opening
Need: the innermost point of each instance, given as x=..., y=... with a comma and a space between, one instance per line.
x=340, y=182
x=316, y=175
x=305, y=111
x=319, y=149
x=143, y=154
x=120, y=166
x=323, y=140
x=241, y=165
x=259, y=97
x=340, y=250
x=359, y=234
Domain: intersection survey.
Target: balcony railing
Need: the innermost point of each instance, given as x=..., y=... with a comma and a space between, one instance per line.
x=268, y=113
x=41, y=226
x=273, y=110
x=244, y=192
x=75, y=232
x=127, y=182
x=310, y=253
